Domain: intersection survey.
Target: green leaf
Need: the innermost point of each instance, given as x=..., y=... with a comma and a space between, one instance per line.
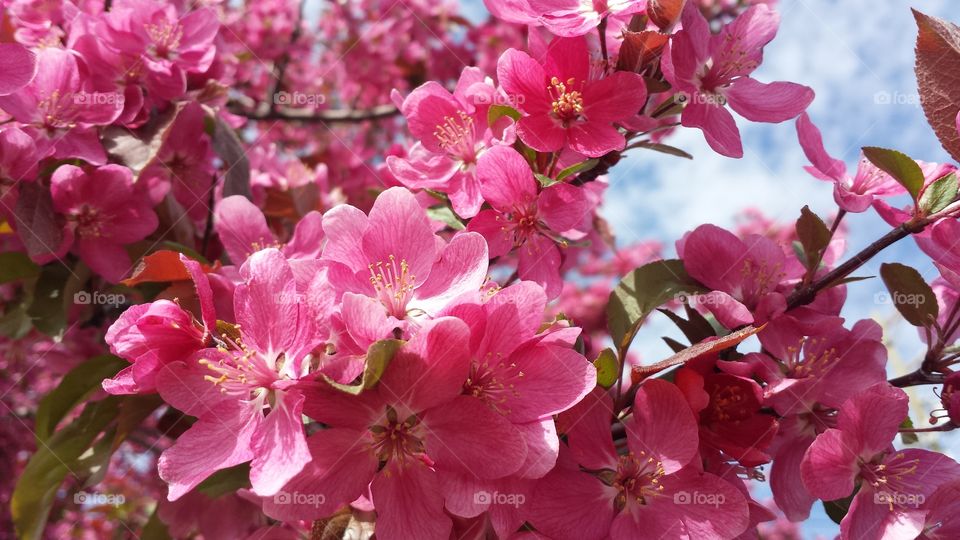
x=545, y=181
x=838, y=509
x=898, y=165
x=642, y=291
x=41, y=478
x=76, y=386
x=663, y=149
x=578, y=168
x=939, y=194
x=446, y=215
x=226, y=481
x=16, y=265
x=378, y=358
x=607, y=368
x=813, y=234
x=910, y=294
x=48, y=309
x=497, y=112
x=908, y=437
x=154, y=529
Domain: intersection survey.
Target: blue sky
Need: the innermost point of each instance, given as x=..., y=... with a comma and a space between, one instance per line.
x=858, y=57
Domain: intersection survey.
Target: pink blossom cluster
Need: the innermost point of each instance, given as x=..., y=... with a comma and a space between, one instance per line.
x=268, y=272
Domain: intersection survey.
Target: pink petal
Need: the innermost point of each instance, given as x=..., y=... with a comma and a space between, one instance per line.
x=872, y=418
x=307, y=240
x=343, y=225
x=830, y=466
x=522, y=76
x=614, y=98
x=543, y=133
x=409, y=502
x=18, y=65
x=786, y=481
x=663, y=425
x=595, y=138
x=506, y=179
x=280, y=446
x=490, y=448
x=543, y=447
x=340, y=469
x=462, y=269
x=399, y=228
x=182, y=384
x=242, y=228
x=568, y=58
x=571, y=505
x=218, y=440
x=540, y=263
x=563, y=207
x=552, y=380
x=587, y=426
x=717, y=125
x=107, y=259
x=812, y=143
x=771, y=102
x=267, y=305
x=488, y=223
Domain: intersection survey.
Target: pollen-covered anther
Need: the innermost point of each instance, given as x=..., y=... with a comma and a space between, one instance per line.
x=567, y=102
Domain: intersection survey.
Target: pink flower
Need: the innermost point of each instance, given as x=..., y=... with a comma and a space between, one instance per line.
x=452, y=132
x=184, y=164
x=524, y=376
x=594, y=493
x=60, y=106
x=854, y=194
x=711, y=71
x=526, y=220
x=229, y=388
x=893, y=484
x=571, y=18
x=243, y=230
x=811, y=377
x=18, y=163
x=152, y=335
x=398, y=440
x=395, y=260
x=168, y=45
x=745, y=275
x=941, y=509
x=104, y=213
x=563, y=104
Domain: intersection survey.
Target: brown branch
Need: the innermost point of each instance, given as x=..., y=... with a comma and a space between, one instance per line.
x=322, y=117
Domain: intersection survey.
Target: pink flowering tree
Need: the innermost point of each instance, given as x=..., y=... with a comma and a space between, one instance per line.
x=286, y=270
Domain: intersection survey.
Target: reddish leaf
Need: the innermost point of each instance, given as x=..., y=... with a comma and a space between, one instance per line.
x=160, y=266
x=639, y=49
x=640, y=373
x=664, y=13
x=938, y=77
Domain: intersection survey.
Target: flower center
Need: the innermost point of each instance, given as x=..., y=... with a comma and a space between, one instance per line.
x=89, y=224
x=728, y=403
x=637, y=479
x=456, y=136
x=519, y=225
x=890, y=480
x=394, y=440
x=393, y=285
x=567, y=103
x=811, y=361
x=165, y=37
x=489, y=382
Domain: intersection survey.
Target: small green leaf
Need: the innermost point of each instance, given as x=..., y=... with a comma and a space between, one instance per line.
x=910, y=294
x=446, y=215
x=378, y=358
x=497, y=112
x=838, y=509
x=545, y=181
x=642, y=291
x=663, y=149
x=76, y=386
x=16, y=265
x=226, y=481
x=154, y=529
x=908, y=437
x=48, y=309
x=898, y=165
x=939, y=194
x=578, y=168
x=607, y=366
x=813, y=234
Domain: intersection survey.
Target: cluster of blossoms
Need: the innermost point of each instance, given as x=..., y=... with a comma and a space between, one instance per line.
x=294, y=271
